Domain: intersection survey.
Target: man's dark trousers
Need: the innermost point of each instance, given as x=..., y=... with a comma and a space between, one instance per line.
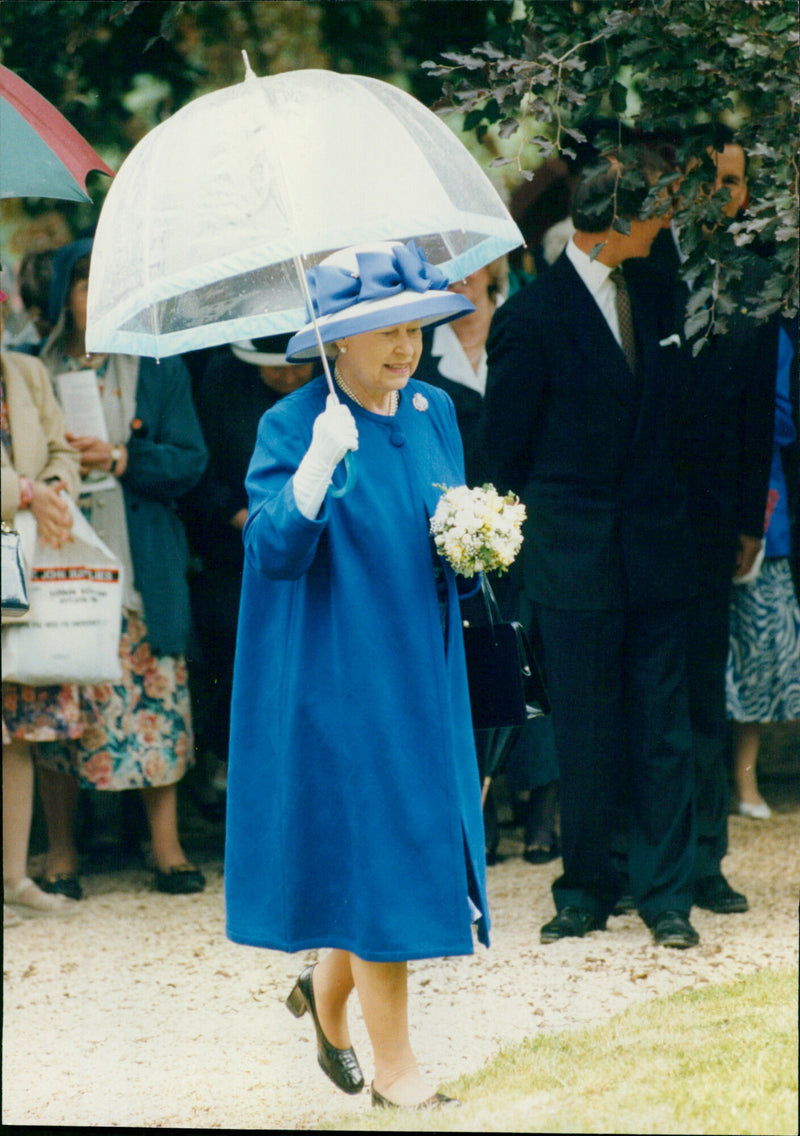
x=627, y=665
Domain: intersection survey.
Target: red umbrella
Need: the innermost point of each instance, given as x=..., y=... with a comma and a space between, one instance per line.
x=41, y=154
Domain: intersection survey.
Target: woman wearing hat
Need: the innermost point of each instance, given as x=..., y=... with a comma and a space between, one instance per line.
x=354, y=817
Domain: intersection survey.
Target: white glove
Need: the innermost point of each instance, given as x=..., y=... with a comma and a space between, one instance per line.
x=333, y=435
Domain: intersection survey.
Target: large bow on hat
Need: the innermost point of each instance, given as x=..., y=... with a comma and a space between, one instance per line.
x=380, y=274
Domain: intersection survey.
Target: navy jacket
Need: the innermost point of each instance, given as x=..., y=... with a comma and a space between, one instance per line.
x=724, y=427
x=469, y=411
x=230, y=399
x=165, y=459
x=586, y=444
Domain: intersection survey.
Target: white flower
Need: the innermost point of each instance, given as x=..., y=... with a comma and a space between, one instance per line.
x=477, y=530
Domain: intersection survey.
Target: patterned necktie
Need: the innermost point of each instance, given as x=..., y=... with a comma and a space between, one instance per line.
x=624, y=317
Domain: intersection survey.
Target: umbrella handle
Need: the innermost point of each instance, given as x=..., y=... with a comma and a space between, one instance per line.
x=352, y=476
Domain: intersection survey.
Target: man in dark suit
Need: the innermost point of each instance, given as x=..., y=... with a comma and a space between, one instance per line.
x=578, y=409
x=723, y=451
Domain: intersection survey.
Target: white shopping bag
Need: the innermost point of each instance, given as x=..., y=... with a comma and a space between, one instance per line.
x=73, y=628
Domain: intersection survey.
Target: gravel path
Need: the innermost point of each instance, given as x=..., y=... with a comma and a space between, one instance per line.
x=138, y=1011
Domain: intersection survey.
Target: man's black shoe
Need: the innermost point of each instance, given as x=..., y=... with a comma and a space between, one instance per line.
x=671, y=929
x=714, y=893
x=571, y=922
x=624, y=904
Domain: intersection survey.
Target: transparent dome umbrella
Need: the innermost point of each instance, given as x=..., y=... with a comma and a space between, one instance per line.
x=213, y=217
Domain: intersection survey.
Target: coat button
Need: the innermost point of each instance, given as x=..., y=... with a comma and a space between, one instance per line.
x=398, y=438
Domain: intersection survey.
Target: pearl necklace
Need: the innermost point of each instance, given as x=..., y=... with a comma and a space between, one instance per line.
x=394, y=400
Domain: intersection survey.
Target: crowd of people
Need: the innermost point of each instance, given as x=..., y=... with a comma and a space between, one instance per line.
x=306, y=635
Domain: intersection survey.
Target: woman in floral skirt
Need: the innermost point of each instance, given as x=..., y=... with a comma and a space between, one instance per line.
x=138, y=732
x=37, y=465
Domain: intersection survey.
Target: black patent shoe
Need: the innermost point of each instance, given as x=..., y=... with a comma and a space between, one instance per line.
x=571, y=922
x=180, y=880
x=66, y=883
x=673, y=929
x=341, y=1065
x=436, y=1100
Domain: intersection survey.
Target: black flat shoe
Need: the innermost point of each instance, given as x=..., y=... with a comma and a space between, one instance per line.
x=714, y=893
x=66, y=883
x=341, y=1065
x=673, y=929
x=180, y=880
x=437, y=1100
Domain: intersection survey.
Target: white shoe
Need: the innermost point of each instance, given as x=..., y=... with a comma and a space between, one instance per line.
x=10, y=917
x=219, y=781
x=759, y=811
x=29, y=901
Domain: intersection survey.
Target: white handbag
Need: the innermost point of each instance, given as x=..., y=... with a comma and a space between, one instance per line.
x=73, y=628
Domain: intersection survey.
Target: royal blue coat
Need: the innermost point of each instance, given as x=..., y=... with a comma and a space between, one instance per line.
x=354, y=817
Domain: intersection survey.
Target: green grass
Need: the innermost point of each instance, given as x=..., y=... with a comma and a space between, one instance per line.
x=722, y=1059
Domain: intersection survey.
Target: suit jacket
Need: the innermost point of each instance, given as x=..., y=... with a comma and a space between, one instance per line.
x=586, y=444
x=724, y=429
x=40, y=450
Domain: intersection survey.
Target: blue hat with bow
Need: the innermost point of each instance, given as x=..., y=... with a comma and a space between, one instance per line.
x=370, y=287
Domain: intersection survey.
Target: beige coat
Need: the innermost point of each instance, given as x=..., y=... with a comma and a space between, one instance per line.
x=40, y=450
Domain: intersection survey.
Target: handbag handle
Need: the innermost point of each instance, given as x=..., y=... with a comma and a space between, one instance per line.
x=490, y=600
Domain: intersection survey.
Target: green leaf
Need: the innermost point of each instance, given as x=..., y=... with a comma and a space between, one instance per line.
x=473, y=119
x=468, y=62
x=507, y=127
x=696, y=323
x=698, y=299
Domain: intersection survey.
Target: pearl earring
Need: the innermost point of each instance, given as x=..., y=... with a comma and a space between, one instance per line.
x=342, y=350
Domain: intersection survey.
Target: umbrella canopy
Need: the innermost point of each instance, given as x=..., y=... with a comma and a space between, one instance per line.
x=41, y=155
x=207, y=229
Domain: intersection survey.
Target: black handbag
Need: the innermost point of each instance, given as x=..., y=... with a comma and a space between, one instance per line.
x=14, y=576
x=505, y=683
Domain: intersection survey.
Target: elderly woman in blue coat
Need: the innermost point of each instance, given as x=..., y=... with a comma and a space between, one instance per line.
x=354, y=816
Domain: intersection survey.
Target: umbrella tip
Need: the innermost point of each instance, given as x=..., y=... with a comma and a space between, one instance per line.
x=249, y=73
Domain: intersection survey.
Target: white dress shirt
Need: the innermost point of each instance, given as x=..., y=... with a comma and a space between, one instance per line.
x=596, y=278
x=452, y=361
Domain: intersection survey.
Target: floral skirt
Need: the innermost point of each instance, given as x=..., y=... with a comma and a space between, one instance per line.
x=763, y=674
x=41, y=713
x=138, y=732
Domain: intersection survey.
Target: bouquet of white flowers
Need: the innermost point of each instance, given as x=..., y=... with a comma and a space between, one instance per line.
x=477, y=530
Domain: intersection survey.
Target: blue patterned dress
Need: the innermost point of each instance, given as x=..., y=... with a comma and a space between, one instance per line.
x=763, y=672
